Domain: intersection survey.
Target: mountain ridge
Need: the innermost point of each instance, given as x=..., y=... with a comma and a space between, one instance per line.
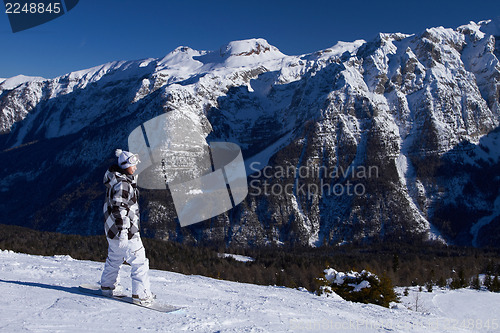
x=414, y=106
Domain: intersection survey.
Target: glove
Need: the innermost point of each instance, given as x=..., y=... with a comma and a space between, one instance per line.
x=123, y=239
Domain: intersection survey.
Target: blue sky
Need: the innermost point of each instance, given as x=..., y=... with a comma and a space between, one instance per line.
x=99, y=31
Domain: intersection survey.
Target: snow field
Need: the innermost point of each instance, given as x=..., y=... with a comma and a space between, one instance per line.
x=40, y=294
x=463, y=308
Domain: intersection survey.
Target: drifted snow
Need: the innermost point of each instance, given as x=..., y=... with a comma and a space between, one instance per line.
x=358, y=287
x=41, y=294
x=339, y=278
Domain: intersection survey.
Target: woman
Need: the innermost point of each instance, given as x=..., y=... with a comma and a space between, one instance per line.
x=121, y=214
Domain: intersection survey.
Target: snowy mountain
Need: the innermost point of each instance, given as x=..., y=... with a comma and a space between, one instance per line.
x=394, y=138
x=13, y=82
x=41, y=294
x=10, y=116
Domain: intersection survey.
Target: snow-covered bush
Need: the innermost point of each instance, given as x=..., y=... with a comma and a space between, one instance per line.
x=364, y=287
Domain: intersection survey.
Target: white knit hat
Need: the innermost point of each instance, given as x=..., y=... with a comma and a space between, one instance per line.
x=126, y=159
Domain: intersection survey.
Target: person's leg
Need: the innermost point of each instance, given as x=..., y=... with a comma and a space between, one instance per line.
x=110, y=276
x=136, y=257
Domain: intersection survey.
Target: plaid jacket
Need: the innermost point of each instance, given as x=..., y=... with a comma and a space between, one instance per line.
x=121, y=207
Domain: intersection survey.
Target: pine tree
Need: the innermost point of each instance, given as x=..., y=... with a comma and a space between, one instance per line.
x=459, y=281
x=487, y=281
x=387, y=291
x=395, y=263
x=490, y=268
x=495, y=285
x=475, y=283
x=441, y=282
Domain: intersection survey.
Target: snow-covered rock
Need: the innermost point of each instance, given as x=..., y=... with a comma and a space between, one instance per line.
x=15, y=81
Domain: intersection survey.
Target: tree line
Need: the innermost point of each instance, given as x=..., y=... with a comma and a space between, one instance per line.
x=402, y=264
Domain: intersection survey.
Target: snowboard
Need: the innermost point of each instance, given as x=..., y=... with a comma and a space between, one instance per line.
x=157, y=306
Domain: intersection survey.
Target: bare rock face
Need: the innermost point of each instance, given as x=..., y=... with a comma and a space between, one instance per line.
x=392, y=139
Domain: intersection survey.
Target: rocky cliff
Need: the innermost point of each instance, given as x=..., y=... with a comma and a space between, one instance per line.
x=394, y=139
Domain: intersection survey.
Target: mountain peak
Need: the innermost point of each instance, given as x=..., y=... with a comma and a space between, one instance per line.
x=248, y=47
x=181, y=55
x=11, y=83
x=241, y=53
x=491, y=27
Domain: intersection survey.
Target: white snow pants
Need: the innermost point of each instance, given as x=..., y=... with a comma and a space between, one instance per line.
x=135, y=255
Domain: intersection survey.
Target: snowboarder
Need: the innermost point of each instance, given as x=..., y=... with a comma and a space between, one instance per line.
x=121, y=214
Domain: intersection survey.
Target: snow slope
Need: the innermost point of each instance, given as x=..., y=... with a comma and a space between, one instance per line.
x=40, y=294
x=463, y=308
x=13, y=82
